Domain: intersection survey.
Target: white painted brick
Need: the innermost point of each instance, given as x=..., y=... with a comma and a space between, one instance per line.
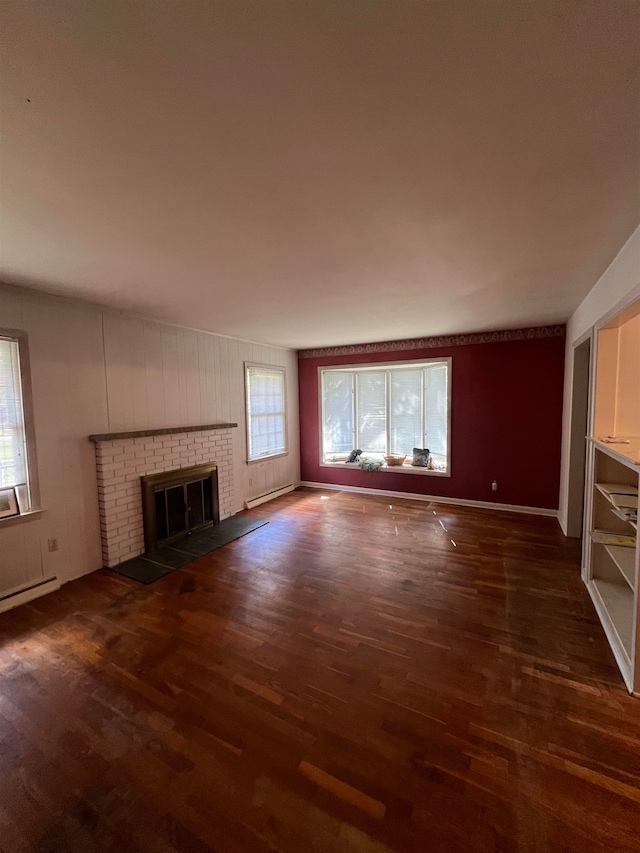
x=119, y=466
x=109, y=466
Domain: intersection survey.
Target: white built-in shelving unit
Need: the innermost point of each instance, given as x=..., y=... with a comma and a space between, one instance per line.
x=611, y=565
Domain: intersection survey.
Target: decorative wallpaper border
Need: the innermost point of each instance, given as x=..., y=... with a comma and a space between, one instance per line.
x=441, y=341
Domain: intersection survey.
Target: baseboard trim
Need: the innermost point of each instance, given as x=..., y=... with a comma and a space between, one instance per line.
x=412, y=496
x=23, y=595
x=269, y=496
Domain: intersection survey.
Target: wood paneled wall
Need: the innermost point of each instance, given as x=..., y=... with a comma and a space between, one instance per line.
x=95, y=370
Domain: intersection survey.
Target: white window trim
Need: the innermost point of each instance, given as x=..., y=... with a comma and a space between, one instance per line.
x=29, y=496
x=383, y=365
x=281, y=369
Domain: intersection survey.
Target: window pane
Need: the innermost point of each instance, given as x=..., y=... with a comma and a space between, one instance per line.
x=267, y=434
x=338, y=434
x=265, y=411
x=372, y=428
x=12, y=439
x=405, y=417
x=436, y=401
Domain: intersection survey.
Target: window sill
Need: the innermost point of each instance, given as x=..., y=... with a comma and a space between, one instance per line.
x=24, y=516
x=267, y=458
x=389, y=469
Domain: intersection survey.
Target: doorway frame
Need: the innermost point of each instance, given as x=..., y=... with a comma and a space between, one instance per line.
x=580, y=427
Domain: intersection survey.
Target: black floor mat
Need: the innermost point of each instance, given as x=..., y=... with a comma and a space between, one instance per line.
x=143, y=570
x=151, y=567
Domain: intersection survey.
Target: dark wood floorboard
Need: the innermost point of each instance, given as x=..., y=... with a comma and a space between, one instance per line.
x=361, y=674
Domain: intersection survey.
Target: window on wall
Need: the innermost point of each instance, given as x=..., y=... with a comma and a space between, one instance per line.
x=266, y=411
x=14, y=468
x=387, y=410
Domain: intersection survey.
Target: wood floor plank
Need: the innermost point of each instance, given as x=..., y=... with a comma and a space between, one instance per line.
x=341, y=789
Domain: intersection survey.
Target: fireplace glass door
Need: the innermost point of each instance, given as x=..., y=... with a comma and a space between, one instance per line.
x=176, y=502
x=182, y=508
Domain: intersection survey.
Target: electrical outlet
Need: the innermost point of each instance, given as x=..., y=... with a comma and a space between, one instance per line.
x=494, y=486
x=250, y=481
x=53, y=544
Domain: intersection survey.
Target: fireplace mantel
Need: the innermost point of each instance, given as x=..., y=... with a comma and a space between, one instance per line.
x=142, y=433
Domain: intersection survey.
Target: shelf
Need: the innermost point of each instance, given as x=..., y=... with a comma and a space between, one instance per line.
x=625, y=560
x=628, y=454
x=608, y=489
x=608, y=537
x=626, y=508
x=618, y=600
x=623, y=502
x=612, y=492
x=624, y=518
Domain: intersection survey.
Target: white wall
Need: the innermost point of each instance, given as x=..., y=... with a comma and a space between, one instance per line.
x=613, y=289
x=96, y=371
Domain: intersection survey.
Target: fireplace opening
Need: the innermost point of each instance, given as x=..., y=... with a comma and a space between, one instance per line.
x=174, y=503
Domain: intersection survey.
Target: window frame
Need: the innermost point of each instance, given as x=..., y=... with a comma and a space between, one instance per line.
x=29, y=494
x=385, y=365
x=248, y=365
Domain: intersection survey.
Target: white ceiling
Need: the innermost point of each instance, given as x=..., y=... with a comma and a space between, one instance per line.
x=312, y=173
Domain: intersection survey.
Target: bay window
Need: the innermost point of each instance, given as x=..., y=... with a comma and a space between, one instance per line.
x=387, y=410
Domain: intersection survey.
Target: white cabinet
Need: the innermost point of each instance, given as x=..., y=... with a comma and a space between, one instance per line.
x=612, y=554
x=611, y=563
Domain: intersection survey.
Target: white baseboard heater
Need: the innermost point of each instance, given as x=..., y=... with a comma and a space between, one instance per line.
x=268, y=496
x=27, y=592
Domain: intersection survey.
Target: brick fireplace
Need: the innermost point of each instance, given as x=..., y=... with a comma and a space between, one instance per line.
x=123, y=458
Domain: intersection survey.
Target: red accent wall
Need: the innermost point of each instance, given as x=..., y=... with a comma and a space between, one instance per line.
x=506, y=423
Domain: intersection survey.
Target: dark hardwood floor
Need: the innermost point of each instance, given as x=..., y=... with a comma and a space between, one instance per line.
x=354, y=676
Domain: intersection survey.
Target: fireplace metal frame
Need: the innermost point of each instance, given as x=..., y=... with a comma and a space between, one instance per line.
x=169, y=479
